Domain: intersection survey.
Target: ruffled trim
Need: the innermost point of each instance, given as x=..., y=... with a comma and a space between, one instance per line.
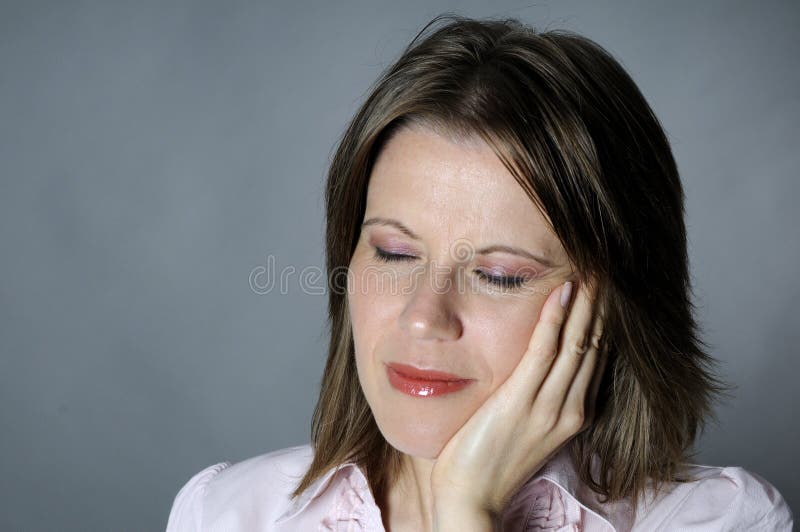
x=354, y=508
x=547, y=508
x=541, y=507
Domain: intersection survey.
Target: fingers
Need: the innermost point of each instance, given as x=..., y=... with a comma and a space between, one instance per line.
x=535, y=363
x=574, y=364
x=582, y=395
x=598, y=372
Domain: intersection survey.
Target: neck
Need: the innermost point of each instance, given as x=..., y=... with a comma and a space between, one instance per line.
x=409, y=501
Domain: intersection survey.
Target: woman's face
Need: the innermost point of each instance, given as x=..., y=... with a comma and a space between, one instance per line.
x=455, y=212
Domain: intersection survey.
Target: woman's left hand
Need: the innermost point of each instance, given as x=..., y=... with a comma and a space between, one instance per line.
x=547, y=399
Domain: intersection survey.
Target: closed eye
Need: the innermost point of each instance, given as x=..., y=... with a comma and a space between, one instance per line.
x=385, y=256
x=504, y=282
x=500, y=281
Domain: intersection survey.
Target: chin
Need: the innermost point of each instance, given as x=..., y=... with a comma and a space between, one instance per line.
x=418, y=439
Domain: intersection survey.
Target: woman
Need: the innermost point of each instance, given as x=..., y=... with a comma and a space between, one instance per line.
x=512, y=342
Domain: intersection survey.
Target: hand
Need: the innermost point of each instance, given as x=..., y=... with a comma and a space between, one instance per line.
x=547, y=399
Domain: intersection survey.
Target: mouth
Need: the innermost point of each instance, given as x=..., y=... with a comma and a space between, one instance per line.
x=423, y=383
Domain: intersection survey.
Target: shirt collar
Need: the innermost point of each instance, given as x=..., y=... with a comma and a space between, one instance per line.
x=560, y=470
x=316, y=489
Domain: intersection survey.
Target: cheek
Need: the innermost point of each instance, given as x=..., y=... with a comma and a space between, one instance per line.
x=505, y=334
x=358, y=301
x=370, y=308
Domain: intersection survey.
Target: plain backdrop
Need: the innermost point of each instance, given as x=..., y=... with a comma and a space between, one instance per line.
x=154, y=155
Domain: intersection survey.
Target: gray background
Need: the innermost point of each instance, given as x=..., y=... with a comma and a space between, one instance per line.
x=154, y=154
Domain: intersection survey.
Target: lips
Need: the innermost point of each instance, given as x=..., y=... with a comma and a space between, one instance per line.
x=423, y=383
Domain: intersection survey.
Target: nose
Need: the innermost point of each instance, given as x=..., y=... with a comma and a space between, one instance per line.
x=431, y=310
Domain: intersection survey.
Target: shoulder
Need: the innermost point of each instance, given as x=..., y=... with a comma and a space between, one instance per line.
x=720, y=498
x=243, y=495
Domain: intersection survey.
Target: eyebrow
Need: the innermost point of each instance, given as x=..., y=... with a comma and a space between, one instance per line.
x=482, y=251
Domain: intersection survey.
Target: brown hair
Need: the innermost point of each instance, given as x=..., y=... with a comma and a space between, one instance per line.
x=576, y=133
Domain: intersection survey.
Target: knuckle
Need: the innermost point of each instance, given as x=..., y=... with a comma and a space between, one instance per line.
x=577, y=347
x=544, y=352
x=574, y=420
x=548, y=421
x=597, y=341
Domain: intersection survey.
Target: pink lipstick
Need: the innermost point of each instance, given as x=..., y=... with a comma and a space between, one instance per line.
x=423, y=383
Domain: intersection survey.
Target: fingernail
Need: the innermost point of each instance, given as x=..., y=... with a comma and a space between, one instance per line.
x=566, y=291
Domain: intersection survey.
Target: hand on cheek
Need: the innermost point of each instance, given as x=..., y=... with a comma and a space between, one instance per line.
x=528, y=418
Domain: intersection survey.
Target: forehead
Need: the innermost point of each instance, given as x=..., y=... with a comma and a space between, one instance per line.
x=431, y=181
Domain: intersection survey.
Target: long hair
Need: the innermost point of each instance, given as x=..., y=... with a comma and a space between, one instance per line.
x=576, y=133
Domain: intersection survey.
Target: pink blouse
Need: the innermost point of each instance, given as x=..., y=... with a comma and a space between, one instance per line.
x=253, y=495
